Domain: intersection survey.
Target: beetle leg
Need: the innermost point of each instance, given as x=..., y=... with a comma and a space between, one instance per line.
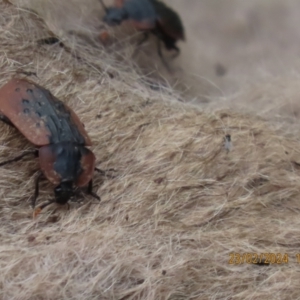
x=143, y=39
x=90, y=191
x=34, y=152
x=104, y=173
x=177, y=51
x=139, y=43
x=50, y=41
x=103, y=6
x=36, y=191
x=161, y=55
x=27, y=73
x=6, y=120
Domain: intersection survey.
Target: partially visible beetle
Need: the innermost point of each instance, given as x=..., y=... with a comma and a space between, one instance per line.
x=58, y=134
x=149, y=16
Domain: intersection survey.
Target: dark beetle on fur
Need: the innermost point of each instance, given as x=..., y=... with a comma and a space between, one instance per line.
x=58, y=133
x=150, y=16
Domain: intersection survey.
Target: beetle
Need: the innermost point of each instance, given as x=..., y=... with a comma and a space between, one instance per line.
x=149, y=16
x=57, y=133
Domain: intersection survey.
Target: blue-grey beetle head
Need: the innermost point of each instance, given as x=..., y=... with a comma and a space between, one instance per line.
x=63, y=192
x=115, y=16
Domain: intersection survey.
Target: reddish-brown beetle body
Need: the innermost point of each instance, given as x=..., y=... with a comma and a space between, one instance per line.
x=56, y=130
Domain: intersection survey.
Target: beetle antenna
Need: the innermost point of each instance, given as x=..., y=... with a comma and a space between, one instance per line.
x=103, y=5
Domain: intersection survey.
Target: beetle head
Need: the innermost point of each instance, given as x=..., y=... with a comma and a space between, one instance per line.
x=115, y=16
x=63, y=192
